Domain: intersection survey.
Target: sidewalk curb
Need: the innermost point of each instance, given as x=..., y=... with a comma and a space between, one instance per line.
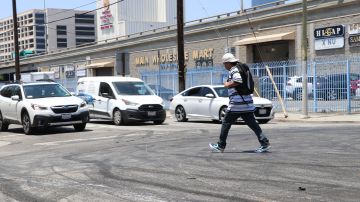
x=313, y=121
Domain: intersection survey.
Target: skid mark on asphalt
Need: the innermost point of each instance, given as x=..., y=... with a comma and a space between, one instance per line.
x=53, y=143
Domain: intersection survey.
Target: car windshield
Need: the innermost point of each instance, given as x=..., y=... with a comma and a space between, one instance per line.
x=221, y=91
x=45, y=90
x=132, y=88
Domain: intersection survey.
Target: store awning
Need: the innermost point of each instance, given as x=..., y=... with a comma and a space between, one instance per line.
x=267, y=38
x=100, y=65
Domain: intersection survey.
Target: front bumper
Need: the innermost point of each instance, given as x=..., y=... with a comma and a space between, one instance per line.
x=137, y=115
x=60, y=120
x=264, y=113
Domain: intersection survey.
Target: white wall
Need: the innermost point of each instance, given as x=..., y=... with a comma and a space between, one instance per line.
x=135, y=16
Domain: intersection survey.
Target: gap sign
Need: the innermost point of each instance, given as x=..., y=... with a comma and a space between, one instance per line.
x=329, y=37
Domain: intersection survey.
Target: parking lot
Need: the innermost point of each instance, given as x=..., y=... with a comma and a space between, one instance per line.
x=172, y=162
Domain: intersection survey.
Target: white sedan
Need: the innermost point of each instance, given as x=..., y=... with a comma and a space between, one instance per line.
x=210, y=102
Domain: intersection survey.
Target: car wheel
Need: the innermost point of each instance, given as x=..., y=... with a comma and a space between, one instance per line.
x=263, y=121
x=117, y=117
x=222, y=113
x=180, y=114
x=79, y=127
x=331, y=95
x=3, y=125
x=159, y=122
x=25, y=119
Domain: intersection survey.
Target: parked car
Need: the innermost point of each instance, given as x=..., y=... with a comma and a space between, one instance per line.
x=267, y=89
x=210, y=102
x=121, y=99
x=161, y=91
x=354, y=85
x=334, y=86
x=294, y=86
x=41, y=104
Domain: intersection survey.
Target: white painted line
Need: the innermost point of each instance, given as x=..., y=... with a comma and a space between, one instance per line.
x=4, y=143
x=74, y=140
x=134, y=134
x=12, y=135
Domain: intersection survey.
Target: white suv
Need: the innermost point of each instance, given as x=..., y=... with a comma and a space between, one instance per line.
x=41, y=104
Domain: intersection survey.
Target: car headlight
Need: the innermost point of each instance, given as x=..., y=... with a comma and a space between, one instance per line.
x=127, y=102
x=38, y=107
x=83, y=104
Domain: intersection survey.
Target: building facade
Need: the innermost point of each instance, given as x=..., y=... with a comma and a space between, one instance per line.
x=129, y=17
x=43, y=31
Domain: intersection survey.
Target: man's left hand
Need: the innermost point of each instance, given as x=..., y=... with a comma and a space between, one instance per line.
x=227, y=84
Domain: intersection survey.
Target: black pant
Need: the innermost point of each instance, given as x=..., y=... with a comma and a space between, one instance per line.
x=249, y=119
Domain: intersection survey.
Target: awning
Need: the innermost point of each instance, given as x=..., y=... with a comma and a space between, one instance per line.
x=267, y=38
x=100, y=65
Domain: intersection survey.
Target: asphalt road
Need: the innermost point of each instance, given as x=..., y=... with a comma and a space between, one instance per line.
x=172, y=162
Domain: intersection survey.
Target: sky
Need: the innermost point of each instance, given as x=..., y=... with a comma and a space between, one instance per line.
x=194, y=9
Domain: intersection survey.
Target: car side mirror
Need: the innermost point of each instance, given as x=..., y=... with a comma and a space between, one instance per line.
x=15, y=98
x=209, y=95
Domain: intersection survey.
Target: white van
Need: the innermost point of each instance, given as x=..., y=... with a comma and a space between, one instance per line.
x=121, y=99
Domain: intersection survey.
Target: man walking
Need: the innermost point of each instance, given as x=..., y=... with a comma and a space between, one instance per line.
x=239, y=106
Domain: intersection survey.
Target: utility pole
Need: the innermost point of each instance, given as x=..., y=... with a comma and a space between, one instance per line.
x=16, y=42
x=45, y=27
x=180, y=42
x=304, y=48
x=242, y=5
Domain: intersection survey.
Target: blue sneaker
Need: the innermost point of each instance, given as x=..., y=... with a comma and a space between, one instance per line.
x=262, y=149
x=216, y=148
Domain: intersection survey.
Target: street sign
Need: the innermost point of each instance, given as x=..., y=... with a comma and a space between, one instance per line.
x=354, y=28
x=329, y=43
x=325, y=32
x=354, y=40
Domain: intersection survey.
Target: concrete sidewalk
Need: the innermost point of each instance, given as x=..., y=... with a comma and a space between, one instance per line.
x=319, y=117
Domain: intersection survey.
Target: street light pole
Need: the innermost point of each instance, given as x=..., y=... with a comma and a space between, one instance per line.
x=304, y=47
x=180, y=42
x=16, y=43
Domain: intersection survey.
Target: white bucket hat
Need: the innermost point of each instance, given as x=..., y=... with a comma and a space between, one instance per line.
x=228, y=57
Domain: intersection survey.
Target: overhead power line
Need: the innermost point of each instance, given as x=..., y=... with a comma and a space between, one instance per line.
x=71, y=16
x=81, y=13
x=71, y=9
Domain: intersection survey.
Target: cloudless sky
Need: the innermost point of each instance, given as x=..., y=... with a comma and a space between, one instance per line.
x=194, y=9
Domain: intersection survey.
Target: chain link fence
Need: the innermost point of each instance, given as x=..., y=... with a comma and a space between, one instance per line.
x=333, y=83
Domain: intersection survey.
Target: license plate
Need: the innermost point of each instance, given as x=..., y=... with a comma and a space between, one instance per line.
x=151, y=113
x=262, y=111
x=65, y=116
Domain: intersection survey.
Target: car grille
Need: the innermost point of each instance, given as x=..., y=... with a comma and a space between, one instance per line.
x=61, y=109
x=150, y=108
x=268, y=111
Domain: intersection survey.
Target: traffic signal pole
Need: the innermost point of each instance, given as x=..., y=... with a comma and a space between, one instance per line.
x=180, y=42
x=16, y=43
